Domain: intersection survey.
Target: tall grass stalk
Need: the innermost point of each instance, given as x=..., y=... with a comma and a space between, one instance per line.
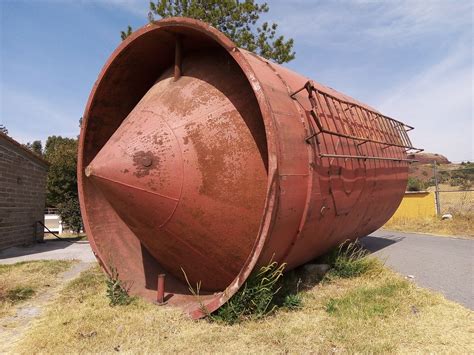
x=350, y=260
x=254, y=300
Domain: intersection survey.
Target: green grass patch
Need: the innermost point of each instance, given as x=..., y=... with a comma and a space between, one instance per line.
x=367, y=302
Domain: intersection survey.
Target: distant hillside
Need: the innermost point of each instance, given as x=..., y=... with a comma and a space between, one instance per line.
x=421, y=173
x=423, y=169
x=429, y=158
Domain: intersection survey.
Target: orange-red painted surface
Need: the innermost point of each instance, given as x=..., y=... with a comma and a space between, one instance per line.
x=198, y=159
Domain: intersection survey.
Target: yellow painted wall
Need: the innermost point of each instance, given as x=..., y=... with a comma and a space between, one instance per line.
x=416, y=205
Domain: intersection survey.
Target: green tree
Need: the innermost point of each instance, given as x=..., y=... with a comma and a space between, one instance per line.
x=415, y=184
x=70, y=212
x=36, y=147
x=125, y=34
x=61, y=183
x=61, y=153
x=239, y=20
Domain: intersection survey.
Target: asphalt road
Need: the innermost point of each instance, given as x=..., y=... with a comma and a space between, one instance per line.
x=442, y=264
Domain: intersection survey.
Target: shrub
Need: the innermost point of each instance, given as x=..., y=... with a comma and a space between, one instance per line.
x=116, y=290
x=415, y=184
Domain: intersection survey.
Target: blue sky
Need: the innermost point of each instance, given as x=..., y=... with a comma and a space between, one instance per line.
x=413, y=60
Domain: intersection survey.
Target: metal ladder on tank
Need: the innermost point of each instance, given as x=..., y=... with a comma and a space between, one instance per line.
x=356, y=123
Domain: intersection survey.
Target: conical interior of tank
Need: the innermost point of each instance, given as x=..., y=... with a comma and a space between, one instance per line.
x=187, y=170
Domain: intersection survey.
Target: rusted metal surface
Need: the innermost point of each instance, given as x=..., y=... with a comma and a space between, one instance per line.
x=203, y=161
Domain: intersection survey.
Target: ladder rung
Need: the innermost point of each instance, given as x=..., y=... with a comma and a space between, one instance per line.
x=387, y=131
x=364, y=157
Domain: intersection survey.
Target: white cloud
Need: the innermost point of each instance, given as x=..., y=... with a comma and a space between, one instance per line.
x=410, y=19
x=398, y=21
x=31, y=117
x=439, y=103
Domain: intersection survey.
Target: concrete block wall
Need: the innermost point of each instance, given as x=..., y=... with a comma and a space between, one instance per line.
x=22, y=193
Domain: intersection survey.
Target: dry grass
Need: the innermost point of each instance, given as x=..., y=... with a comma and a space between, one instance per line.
x=376, y=312
x=460, y=204
x=21, y=281
x=456, y=202
x=460, y=225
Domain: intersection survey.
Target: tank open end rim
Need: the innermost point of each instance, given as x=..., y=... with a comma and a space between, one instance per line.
x=194, y=308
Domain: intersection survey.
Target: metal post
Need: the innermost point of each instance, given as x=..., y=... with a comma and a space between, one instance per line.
x=160, y=290
x=435, y=173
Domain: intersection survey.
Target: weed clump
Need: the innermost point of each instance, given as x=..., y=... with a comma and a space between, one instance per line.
x=117, y=292
x=293, y=301
x=254, y=299
x=349, y=260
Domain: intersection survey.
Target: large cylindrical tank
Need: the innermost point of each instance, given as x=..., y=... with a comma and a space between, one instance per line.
x=204, y=160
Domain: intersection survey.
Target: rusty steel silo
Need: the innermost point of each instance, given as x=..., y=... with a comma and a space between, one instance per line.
x=196, y=155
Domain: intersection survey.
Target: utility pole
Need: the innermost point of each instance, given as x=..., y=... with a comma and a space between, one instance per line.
x=435, y=172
